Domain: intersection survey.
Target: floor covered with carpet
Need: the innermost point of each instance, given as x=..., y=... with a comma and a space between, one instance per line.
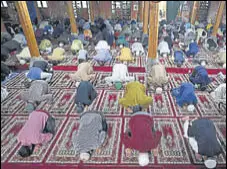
x=174, y=150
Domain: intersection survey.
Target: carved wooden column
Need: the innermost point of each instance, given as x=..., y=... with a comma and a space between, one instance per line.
x=218, y=17
x=145, y=17
x=194, y=11
x=72, y=17
x=92, y=11
x=153, y=30
x=141, y=3
x=26, y=24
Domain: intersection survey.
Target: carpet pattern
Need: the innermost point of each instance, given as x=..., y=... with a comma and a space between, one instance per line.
x=174, y=151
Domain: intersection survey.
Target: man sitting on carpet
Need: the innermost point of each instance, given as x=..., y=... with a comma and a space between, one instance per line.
x=91, y=135
x=38, y=91
x=137, y=48
x=163, y=48
x=39, y=70
x=141, y=136
x=135, y=94
x=103, y=56
x=158, y=76
x=203, y=139
x=125, y=55
x=82, y=56
x=76, y=46
x=39, y=129
x=185, y=96
x=119, y=74
x=58, y=55
x=85, y=95
x=84, y=72
x=200, y=78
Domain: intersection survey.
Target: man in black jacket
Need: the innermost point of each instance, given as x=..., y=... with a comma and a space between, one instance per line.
x=85, y=95
x=203, y=139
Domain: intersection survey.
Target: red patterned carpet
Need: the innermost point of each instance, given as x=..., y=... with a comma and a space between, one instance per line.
x=174, y=151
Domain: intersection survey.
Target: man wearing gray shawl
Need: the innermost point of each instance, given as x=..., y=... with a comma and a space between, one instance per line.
x=91, y=134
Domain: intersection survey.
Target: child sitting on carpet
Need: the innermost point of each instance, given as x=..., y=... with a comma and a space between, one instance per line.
x=91, y=134
x=38, y=129
x=38, y=91
x=141, y=136
x=85, y=95
x=135, y=94
x=203, y=139
x=39, y=70
x=84, y=72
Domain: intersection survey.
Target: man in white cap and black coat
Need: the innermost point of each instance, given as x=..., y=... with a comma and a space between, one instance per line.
x=91, y=134
x=203, y=139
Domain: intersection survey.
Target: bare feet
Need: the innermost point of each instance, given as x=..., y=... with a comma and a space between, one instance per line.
x=128, y=152
x=198, y=157
x=37, y=147
x=186, y=118
x=155, y=152
x=129, y=110
x=98, y=150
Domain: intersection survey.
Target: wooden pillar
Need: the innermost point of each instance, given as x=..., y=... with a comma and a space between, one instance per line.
x=71, y=17
x=153, y=30
x=92, y=11
x=145, y=17
x=218, y=17
x=194, y=11
x=141, y=3
x=26, y=24
x=3, y=28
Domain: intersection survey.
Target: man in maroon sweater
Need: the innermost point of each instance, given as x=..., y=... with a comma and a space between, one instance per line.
x=141, y=136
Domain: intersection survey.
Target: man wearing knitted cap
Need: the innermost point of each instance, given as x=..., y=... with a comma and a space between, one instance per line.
x=141, y=135
x=91, y=134
x=203, y=139
x=38, y=91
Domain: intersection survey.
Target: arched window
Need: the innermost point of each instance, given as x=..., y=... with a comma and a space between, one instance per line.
x=42, y=4
x=4, y=4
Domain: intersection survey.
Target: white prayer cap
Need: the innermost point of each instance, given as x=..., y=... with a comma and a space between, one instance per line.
x=22, y=62
x=191, y=108
x=203, y=63
x=165, y=55
x=84, y=156
x=159, y=90
x=77, y=84
x=224, y=65
x=210, y=163
x=143, y=159
x=121, y=46
x=61, y=44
